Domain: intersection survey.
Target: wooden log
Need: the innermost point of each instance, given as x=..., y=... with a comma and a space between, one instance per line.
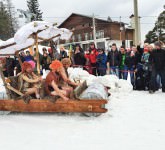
x=14, y=90
x=34, y=105
x=37, y=54
x=3, y=47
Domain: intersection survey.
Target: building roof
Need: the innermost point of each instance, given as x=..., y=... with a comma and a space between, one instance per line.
x=90, y=18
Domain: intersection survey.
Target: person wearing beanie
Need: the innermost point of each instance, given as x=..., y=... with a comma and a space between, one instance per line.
x=157, y=60
x=55, y=82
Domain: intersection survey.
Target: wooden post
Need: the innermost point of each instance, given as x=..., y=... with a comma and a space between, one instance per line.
x=5, y=84
x=18, y=56
x=37, y=54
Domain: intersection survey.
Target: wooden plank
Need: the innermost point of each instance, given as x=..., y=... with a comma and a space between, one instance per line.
x=3, y=47
x=59, y=106
x=14, y=90
x=18, y=56
x=37, y=54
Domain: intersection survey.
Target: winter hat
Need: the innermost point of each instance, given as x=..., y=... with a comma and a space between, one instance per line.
x=56, y=64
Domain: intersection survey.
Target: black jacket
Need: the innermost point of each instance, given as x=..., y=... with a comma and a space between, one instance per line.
x=113, y=58
x=157, y=59
x=132, y=61
x=79, y=59
x=63, y=54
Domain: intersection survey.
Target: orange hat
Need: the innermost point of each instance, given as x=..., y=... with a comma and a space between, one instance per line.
x=55, y=65
x=26, y=65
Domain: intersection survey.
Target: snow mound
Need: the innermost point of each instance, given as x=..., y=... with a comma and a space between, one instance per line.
x=78, y=74
x=111, y=81
x=125, y=86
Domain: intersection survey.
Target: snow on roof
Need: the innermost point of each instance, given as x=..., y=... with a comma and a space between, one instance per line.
x=50, y=32
x=24, y=39
x=6, y=43
x=27, y=30
x=45, y=31
x=66, y=34
x=17, y=47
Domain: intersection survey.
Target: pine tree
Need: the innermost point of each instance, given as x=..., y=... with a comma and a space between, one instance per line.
x=158, y=32
x=5, y=27
x=13, y=21
x=33, y=6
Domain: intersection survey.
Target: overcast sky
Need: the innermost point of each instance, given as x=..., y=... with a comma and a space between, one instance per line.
x=58, y=10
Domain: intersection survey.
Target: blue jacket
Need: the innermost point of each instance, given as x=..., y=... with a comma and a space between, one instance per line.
x=102, y=61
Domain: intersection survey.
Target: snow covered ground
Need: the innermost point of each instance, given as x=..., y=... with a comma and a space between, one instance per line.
x=135, y=121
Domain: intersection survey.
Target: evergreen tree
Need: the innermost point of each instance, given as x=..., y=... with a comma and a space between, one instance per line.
x=5, y=28
x=13, y=21
x=158, y=32
x=33, y=6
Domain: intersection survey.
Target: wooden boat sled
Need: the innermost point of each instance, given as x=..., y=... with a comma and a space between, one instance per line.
x=76, y=105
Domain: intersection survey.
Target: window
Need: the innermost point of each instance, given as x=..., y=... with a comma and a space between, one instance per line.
x=79, y=37
x=73, y=38
x=86, y=36
x=91, y=36
x=100, y=34
x=90, y=25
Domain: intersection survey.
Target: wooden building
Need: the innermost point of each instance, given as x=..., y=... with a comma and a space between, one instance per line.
x=107, y=31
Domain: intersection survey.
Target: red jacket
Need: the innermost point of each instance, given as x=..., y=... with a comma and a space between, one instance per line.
x=93, y=56
x=88, y=63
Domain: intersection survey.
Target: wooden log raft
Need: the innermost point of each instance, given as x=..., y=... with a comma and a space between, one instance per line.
x=79, y=106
